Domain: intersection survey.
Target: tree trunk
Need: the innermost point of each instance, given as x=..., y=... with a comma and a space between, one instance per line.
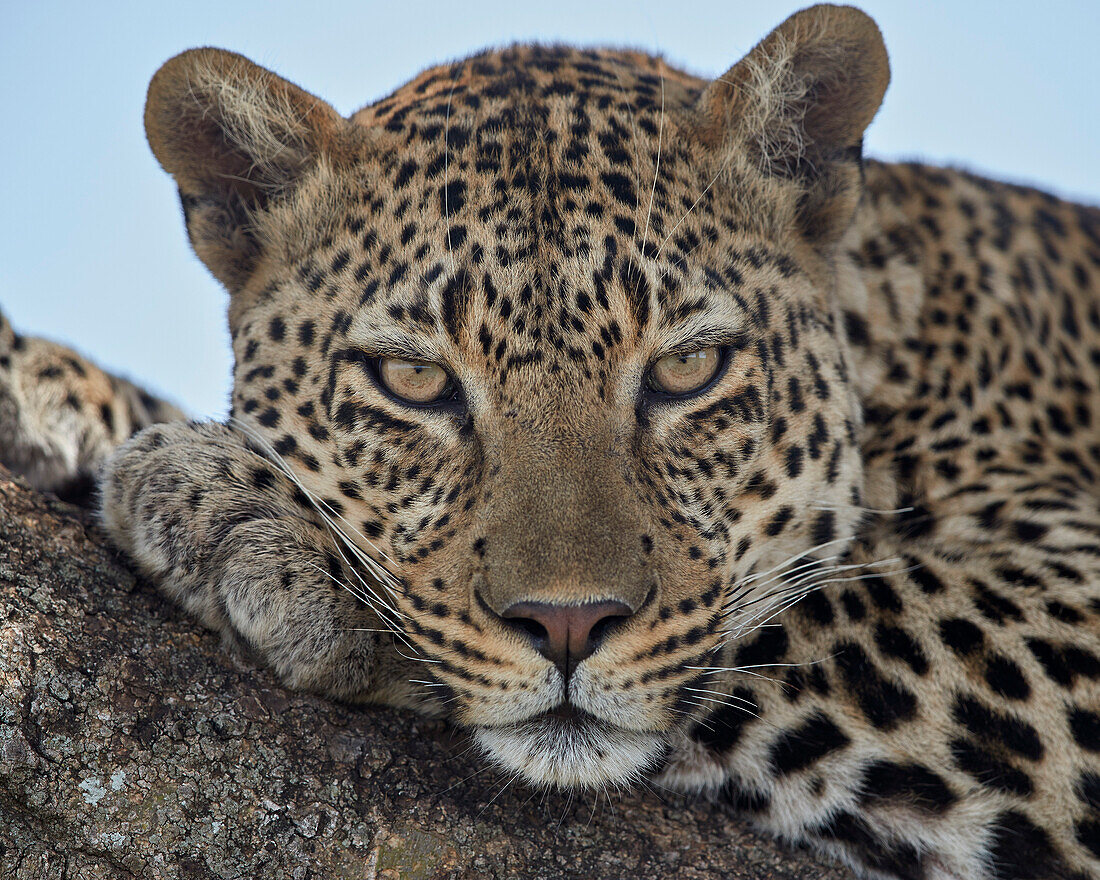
x=133, y=746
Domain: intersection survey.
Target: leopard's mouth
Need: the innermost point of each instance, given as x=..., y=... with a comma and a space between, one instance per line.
x=567, y=747
x=568, y=713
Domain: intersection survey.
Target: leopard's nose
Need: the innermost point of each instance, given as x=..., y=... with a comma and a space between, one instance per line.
x=566, y=634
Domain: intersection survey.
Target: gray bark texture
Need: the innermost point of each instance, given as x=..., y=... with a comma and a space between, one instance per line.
x=133, y=746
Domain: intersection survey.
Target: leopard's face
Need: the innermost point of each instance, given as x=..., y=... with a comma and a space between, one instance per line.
x=551, y=337
x=531, y=251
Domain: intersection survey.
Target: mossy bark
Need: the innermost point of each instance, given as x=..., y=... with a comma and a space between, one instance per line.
x=133, y=746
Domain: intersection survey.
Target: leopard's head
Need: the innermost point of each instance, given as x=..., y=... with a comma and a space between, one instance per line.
x=553, y=336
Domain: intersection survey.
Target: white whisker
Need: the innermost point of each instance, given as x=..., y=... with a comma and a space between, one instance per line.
x=657, y=169
x=876, y=511
x=447, y=170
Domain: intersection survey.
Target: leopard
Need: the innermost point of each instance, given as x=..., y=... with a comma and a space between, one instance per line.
x=643, y=428
x=61, y=415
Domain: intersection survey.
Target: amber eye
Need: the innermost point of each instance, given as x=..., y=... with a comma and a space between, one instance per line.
x=415, y=381
x=684, y=373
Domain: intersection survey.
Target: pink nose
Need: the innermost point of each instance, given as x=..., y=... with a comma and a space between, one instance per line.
x=566, y=634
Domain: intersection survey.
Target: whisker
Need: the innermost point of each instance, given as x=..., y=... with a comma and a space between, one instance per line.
x=466, y=779
x=740, y=630
x=392, y=628
x=726, y=696
x=724, y=703
x=874, y=510
x=447, y=168
x=801, y=587
x=499, y=793
x=811, y=564
x=365, y=598
x=374, y=567
x=794, y=558
x=714, y=669
x=811, y=576
x=657, y=169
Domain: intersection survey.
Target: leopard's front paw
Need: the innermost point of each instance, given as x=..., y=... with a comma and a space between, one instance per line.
x=228, y=535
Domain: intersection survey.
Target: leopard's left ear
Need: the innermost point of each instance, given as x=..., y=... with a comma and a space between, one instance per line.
x=236, y=137
x=797, y=105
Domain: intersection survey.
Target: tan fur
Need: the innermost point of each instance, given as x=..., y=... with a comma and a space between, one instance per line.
x=61, y=415
x=861, y=565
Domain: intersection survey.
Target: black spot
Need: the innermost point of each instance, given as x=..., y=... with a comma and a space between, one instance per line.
x=1065, y=613
x=887, y=858
x=994, y=606
x=960, y=635
x=856, y=328
x=1085, y=727
x=637, y=290
x=997, y=729
x=1063, y=663
x=882, y=594
x=768, y=648
x=276, y=329
x=745, y=800
x=1006, y=678
x=621, y=187
x=824, y=528
x=452, y=197
x=1088, y=789
x=885, y=703
x=722, y=730
x=305, y=333
x=909, y=782
x=817, y=608
x=404, y=174
x=924, y=578
x=853, y=605
x=262, y=478
x=990, y=770
x=893, y=641
x=285, y=445
x=1029, y=532
x=1019, y=850
x=1088, y=835
x=794, y=467
x=779, y=521
x=806, y=744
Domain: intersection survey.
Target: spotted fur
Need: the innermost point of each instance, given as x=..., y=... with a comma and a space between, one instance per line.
x=61, y=415
x=863, y=564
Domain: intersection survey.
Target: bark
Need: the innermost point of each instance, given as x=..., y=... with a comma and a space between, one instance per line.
x=133, y=746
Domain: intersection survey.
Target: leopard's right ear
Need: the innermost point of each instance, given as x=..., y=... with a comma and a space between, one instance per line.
x=234, y=136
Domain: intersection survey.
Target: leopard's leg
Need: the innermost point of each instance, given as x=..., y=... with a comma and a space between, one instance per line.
x=61, y=415
x=236, y=542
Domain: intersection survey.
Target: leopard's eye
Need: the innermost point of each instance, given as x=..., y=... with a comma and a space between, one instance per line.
x=415, y=381
x=684, y=373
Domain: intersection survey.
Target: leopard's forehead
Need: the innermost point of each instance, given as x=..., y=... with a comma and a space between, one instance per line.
x=535, y=208
x=535, y=78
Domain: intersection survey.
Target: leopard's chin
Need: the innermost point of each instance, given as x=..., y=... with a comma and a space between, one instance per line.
x=571, y=751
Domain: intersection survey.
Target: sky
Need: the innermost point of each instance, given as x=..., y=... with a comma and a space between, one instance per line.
x=92, y=247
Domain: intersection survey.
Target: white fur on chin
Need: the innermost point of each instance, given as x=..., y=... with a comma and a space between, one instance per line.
x=586, y=754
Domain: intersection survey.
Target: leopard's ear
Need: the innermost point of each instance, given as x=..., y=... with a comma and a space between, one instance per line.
x=234, y=136
x=797, y=105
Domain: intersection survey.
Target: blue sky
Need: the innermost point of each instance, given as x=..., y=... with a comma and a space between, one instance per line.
x=92, y=248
